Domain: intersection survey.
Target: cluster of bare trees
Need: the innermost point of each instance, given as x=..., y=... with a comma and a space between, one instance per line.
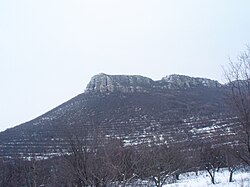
x=113, y=164
x=212, y=159
x=107, y=164
x=19, y=172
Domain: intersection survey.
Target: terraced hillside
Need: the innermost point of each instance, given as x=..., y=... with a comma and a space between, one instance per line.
x=175, y=110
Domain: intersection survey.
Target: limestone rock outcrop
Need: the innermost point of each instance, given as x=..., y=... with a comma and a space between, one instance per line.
x=103, y=83
x=182, y=81
x=120, y=83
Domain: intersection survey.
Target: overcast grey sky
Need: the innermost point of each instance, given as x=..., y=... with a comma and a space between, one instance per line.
x=49, y=49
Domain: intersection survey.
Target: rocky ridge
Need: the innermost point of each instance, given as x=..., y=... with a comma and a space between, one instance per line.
x=135, y=83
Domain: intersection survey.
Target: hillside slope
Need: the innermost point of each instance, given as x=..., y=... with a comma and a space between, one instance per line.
x=175, y=110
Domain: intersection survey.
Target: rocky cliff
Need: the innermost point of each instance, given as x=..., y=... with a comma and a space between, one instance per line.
x=118, y=83
x=182, y=81
x=134, y=83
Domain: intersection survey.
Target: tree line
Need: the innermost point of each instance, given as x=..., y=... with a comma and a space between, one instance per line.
x=113, y=164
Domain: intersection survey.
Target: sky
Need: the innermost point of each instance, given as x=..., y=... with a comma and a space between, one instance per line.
x=49, y=50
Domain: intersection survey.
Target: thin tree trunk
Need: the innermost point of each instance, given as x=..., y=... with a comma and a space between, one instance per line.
x=231, y=177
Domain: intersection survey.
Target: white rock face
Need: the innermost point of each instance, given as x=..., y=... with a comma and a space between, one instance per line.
x=134, y=83
x=183, y=81
x=121, y=83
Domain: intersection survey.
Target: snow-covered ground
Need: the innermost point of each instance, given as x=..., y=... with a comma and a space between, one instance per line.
x=240, y=179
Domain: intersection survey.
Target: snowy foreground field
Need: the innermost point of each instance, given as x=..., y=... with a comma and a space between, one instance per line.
x=240, y=179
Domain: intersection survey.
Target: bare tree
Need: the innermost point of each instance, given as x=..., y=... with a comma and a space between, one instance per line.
x=121, y=161
x=238, y=75
x=97, y=161
x=160, y=163
x=231, y=161
x=78, y=161
x=212, y=159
